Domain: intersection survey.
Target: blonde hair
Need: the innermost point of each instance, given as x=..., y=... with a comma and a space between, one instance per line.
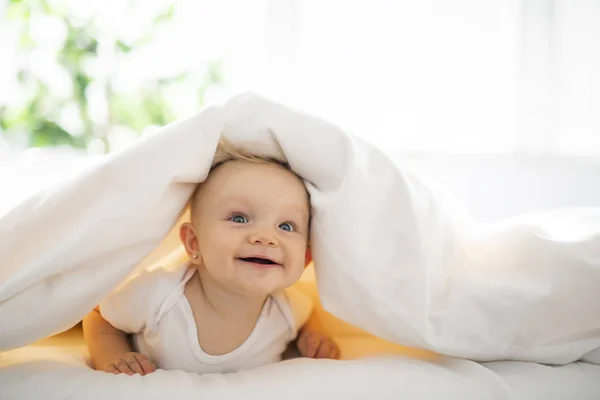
x=227, y=151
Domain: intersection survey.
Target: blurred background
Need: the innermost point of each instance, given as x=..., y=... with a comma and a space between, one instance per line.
x=495, y=101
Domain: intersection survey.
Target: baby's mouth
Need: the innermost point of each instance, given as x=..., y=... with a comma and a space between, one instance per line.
x=259, y=261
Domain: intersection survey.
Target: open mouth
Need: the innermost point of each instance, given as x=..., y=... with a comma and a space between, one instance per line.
x=260, y=261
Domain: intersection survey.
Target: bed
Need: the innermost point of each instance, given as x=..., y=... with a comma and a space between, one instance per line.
x=56, y=368
x=430, y=282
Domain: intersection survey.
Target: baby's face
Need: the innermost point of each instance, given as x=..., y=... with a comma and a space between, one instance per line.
x=252, y=227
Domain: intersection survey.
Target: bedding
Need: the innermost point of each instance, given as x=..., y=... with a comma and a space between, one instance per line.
x=56, y=369
x=392, y=256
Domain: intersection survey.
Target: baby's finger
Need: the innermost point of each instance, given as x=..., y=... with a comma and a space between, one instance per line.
x=312, y=346
x=323, y=350
x=335, y=352
x=303, y=345
x=112, y=369
x=135, y=366
x=145, y=364
x=123, y=367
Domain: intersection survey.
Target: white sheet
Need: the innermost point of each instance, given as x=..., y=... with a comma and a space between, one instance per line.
x=392, y=256
x=60, y=373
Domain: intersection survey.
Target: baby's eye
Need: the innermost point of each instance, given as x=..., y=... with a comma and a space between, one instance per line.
x=238, y=219
x=288, y=227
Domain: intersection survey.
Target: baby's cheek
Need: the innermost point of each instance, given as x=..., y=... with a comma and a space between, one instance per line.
x=294, y=272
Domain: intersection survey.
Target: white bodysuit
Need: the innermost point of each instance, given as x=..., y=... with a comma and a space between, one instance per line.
x=153, y=307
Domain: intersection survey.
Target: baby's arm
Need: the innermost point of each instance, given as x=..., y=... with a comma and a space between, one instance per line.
x=314, y=342
x=110, y=349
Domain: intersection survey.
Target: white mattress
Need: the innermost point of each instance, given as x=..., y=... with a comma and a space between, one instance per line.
x=58, y=371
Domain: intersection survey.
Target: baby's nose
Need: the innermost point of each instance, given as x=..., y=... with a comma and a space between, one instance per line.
x=264, y=238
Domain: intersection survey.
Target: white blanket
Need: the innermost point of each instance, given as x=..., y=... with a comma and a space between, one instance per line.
x=392, y=256
x=60, y=373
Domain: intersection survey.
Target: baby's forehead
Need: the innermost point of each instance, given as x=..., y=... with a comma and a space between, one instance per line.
x=245, y=182
x=290, y=204
x=248, y=194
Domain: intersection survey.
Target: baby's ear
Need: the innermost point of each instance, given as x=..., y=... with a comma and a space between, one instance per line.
x=308, y=259
x=189, y=240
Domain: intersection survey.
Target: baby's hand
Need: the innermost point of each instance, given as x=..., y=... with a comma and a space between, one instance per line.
x=130, y=364
x=314, y=344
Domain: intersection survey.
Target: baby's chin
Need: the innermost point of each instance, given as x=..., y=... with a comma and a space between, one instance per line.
x=264, y=282
x=265, y=287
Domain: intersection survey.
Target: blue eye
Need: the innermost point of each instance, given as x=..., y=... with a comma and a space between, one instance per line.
x=238, y=219
x=287, y=227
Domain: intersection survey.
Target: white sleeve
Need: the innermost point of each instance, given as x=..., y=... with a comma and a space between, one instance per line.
x=301, y=305
x=132, y=307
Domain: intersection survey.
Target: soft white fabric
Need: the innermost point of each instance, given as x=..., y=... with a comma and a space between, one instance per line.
x=153, y=307
x=59, y=373
x=392, y=256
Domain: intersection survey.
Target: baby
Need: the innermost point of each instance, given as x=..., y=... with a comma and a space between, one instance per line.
x=230, y=306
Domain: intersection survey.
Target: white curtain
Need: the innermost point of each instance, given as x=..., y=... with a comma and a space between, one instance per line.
x=443, y=76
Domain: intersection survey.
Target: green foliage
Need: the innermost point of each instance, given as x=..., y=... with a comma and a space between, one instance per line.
x=39, y=114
